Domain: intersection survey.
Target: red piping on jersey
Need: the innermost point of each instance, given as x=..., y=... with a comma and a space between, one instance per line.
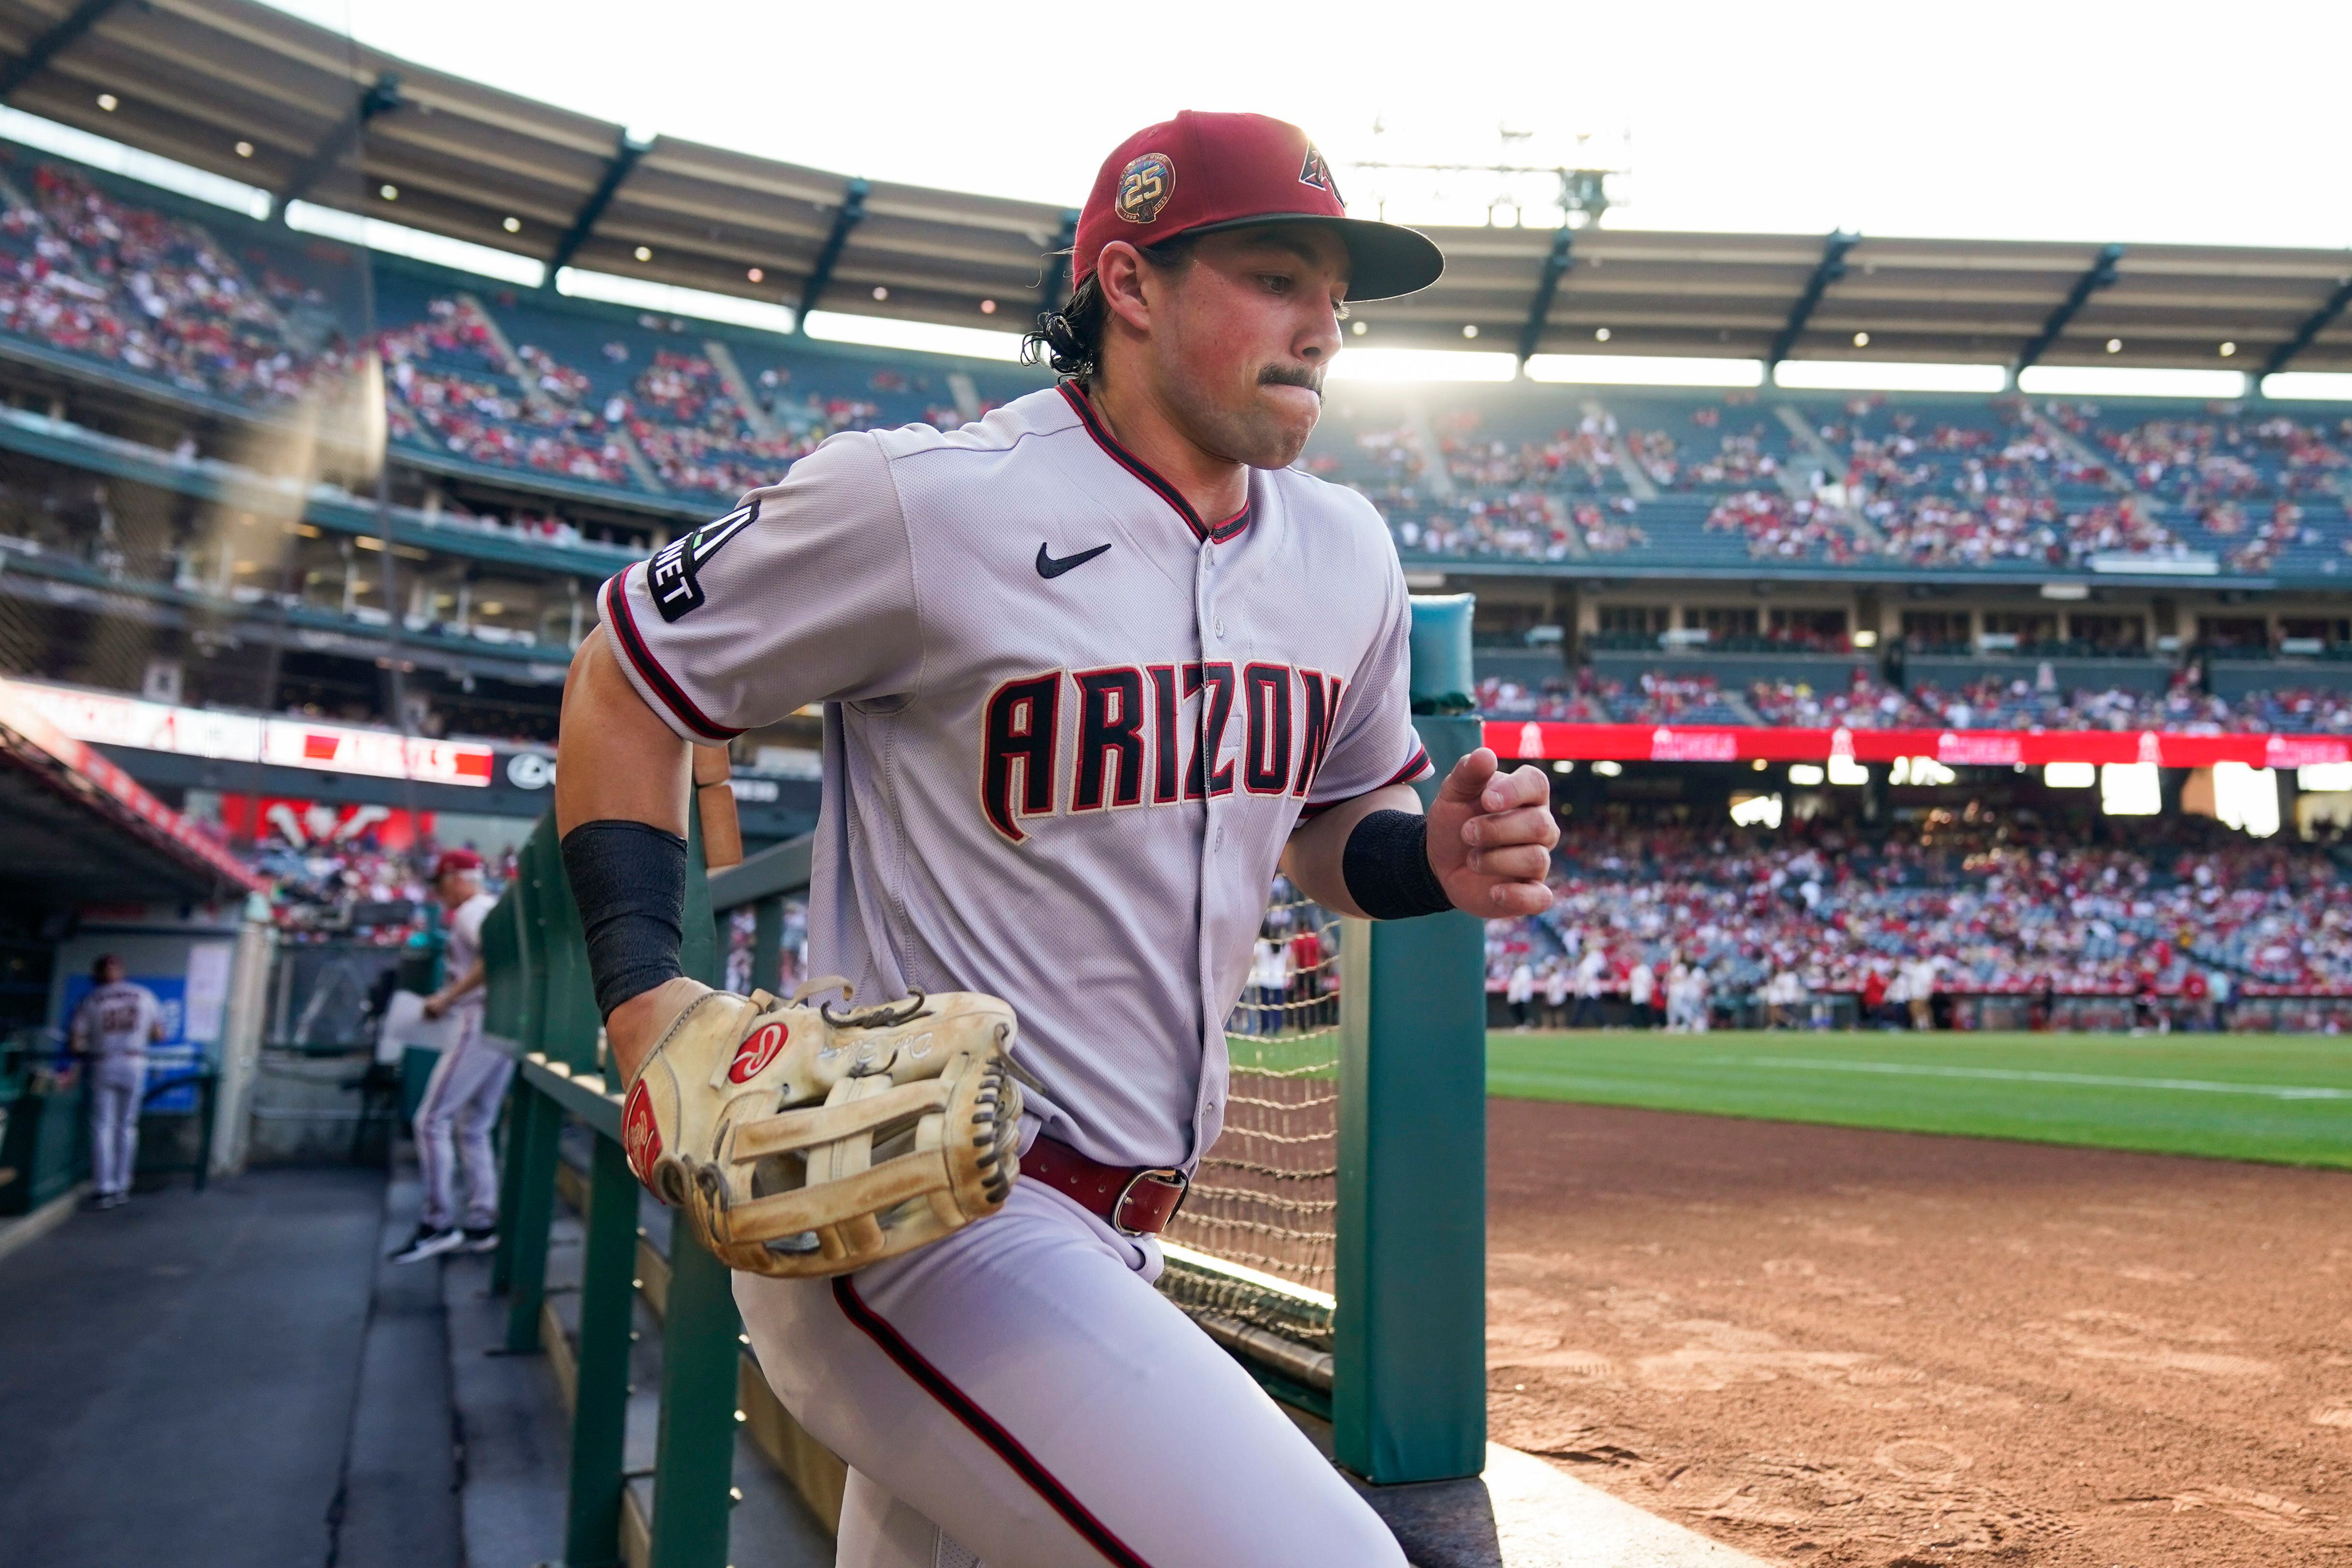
x=1142, y=470
x=983, y=1426
x=623, y=622
x=1411, y=771
x=1404, y=774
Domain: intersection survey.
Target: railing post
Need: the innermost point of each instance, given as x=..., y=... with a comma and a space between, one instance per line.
x=767, y=944
x=694, y=1450
x=511, y=1187
x=694, y=1455
x=1409, y=1394
x=592, y=1531
x=542, y=1119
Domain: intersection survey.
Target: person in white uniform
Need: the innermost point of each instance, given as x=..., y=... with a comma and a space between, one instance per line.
x=1092, y=668
x=461, y=1099
x=111, y=1031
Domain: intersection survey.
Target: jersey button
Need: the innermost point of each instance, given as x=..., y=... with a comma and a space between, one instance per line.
x=1221, y=837
x=1220, y=628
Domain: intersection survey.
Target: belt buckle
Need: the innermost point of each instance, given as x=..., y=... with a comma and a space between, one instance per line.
x=1167, y=1173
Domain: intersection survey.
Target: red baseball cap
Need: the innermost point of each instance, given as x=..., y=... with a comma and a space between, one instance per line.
x=1200, y=172
x=456, y=860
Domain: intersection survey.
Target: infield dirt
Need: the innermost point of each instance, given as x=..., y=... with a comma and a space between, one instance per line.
x=1831, y=1346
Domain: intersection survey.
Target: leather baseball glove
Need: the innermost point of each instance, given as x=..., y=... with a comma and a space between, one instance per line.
x=812, y=1141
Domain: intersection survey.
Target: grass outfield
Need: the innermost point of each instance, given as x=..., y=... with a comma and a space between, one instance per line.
x=2281, y=1098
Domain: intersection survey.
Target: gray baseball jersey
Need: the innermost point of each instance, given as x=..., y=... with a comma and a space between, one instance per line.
x=117, y=1020
x=464, y=949
x=1069, y=727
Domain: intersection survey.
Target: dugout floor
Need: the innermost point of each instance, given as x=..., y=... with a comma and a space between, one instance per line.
x=1831, y=1346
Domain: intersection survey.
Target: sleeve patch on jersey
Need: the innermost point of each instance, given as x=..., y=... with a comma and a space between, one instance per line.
x=673, y=577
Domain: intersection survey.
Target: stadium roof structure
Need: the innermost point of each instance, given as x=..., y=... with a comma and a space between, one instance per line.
x=82, y=831
x=333, y=122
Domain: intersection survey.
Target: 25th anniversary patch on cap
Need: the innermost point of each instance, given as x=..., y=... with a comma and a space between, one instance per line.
x=1144, y=188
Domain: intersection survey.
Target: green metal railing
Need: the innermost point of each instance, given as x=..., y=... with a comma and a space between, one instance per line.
x=1407, y=1400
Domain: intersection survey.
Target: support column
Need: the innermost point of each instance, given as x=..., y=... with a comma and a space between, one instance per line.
x=1409, y=1395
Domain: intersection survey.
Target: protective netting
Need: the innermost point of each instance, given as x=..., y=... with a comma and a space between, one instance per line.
x=1266, y=1197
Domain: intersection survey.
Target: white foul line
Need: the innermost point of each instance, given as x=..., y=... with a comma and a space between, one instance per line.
x=2021, y=1074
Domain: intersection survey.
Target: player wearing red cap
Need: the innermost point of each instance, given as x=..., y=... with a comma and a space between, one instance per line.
x=461, y=1099
x=1091, y=667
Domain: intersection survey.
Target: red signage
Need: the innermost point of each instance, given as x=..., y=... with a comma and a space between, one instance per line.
x=1534, y=739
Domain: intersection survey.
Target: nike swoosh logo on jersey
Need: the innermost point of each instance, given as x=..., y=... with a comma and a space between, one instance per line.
x=1049, y=568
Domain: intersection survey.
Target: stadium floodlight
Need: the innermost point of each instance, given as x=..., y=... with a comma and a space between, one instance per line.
x=1563, y=766
x=1755, y=810
x=644, y=294
x=377, y=234
x=2130, y=789
x=1885, y=375
x=1846, y=772
x=1804, y=776
x=1643, y=370
x=2101, y=381
x=2335, y=386
x=923, y=337
x=2246, y=798
x=2070, y=775
x=2324, y=778
x=1423, y=364
x=1607, y=768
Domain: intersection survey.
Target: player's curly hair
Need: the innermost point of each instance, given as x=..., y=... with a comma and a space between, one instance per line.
x=1070, y=338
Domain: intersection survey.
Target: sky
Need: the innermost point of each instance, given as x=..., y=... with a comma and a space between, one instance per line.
x=2155, y=121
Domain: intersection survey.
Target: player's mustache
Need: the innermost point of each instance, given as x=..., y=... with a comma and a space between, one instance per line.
x=1292, y=376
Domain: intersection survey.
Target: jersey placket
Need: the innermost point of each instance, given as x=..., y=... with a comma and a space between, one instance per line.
x=1209, y=630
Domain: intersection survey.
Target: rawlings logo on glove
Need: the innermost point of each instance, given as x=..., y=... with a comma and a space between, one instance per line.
x=812, y=1141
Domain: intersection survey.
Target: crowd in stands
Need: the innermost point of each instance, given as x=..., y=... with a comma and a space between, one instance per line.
x=453, y=388
x=1866, y=702
x=84, y=273
x=350, y=890
x=1778, y=528
x=1988, y=906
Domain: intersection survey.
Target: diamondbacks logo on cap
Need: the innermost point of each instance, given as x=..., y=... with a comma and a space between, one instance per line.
x=1144, y=188
x=1314, y=172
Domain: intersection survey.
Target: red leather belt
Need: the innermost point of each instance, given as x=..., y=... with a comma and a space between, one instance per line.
x=1135, y=1200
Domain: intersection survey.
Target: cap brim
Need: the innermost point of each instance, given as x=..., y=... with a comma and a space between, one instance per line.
x=1384, y=259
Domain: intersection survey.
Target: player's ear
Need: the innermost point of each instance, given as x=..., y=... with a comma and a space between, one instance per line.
x=1119, y=273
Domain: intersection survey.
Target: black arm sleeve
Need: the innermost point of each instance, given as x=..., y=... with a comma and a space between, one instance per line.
x=629, y=880
x=1386, y=866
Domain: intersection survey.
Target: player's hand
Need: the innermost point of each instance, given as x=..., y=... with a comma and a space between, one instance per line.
x=436, y=1004
x=636, y=1024
x=1491, y=836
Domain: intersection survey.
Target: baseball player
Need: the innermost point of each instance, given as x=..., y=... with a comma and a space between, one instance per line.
x=111, y=1030
x=462, y=1097
x=1092, y=668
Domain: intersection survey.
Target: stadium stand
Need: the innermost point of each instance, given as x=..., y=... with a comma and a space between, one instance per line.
x=2014, y=905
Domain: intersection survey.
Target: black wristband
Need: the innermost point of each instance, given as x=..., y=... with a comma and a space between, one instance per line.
x=1387, y=869
x=629, y=880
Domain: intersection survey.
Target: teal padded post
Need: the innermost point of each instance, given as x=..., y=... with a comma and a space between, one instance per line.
x=1408, y=1387
x=1442, y=680
x=694, y=1452
x=592, y=1529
